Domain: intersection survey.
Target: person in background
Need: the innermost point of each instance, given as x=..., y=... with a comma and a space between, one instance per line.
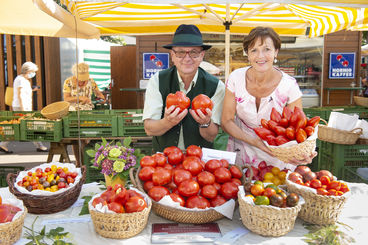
x=80, y=87
x=251, y=93
x=365, y=84
x=169, y=126
x=22, y=98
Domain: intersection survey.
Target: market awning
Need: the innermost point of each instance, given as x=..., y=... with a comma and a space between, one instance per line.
x=23, y=17
x=287, y=17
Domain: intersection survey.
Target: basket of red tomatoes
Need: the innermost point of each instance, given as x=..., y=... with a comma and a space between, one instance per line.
x=186, y=189
x=324, y=195
x=12, y=214
x=290, y=134
x=48, y=188
x=119, y=213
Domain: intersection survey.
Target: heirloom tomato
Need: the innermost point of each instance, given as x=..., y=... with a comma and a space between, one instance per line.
x=179, y=99
x=194, y=150
x=175, y=157
x=279, y=130
x=205, y=178
x=171, y=149
x=188, y=188
x=284, y=122
x=229, y=190
x=193, y=165
x=145, y=173
x=202, y=102
x=135, y=204
x=158, y=192
x=180, y=175
x=222, y=175
x=236, y=172
x=148, y=161
x=280, y=140
x=209, y=191
x=161, y=176
x=198, y=202
x=159, y=159
x=309, y=130
x=212, y=165
x=271, y=140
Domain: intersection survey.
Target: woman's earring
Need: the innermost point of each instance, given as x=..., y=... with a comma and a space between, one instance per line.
x=275, y=60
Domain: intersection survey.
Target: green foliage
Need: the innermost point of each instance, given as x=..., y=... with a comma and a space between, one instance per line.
x=54, y=236
x=328, y=234
x=84, y=209
x=114, y=39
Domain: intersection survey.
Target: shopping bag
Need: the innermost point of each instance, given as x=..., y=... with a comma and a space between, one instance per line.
x=9, y=96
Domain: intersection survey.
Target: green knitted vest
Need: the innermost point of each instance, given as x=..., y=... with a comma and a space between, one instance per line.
x=168, y=83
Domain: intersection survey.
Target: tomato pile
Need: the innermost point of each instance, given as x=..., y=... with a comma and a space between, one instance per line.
x=270, y=195
x=50, y=179
x=179, y=99
x=290, y=125
x=268, y=173
x=187, y=179
x=121, y=200
x=7, y=212
x=322, y=181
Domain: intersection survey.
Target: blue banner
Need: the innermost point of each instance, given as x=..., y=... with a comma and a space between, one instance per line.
x=342, y=66
x=154, y=62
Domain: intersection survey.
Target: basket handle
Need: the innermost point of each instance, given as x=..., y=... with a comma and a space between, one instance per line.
x=249, y=179
x=360, y=131
x=133, y=174
x=10, y=178
x=323, y=120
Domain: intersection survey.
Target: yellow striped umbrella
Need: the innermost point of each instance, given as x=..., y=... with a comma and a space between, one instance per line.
x=287, y=17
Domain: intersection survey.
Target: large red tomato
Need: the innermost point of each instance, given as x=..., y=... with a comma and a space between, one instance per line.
x=209, y=191
x=147, y=161
x=145, y=173
x=236, y=172
x=188, y=188
x=160, y=159
x=135, y=204
x=158, y=192
x=180, y=175
x=161, y=176
x=177, y=198
x=175, y=157
x=7, y=212
x=148, y=185
x=198, y=202
x=193, y=165
x=202, y=102
x=222, y=175
x=179, y=99
x=205, y=178
x=194, y=150
x=212, y=165
x=229, y=190
x=170, y=149
x=217, y=201
x=116, y=207
x=95, y=201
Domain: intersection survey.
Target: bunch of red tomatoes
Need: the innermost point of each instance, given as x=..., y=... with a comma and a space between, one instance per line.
x=323, y=181
x=7, y=212
x=290, y=125
x=121, y=200
x=187, y=179
x=180, y=100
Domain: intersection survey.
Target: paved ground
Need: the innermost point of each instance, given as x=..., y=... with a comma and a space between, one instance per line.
x=25, y=155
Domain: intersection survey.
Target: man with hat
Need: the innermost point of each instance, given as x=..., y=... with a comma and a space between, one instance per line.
x=169, y=126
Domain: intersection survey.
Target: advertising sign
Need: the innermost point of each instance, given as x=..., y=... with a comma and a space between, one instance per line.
x=342, y=66
x=154, y=62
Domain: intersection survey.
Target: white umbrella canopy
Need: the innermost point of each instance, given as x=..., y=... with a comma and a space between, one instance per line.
x=287, y=17
x=23, y=17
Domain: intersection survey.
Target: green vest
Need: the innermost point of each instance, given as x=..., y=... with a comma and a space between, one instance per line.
x=169, y=83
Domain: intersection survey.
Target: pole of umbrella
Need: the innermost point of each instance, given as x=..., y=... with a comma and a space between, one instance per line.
x=227, y=49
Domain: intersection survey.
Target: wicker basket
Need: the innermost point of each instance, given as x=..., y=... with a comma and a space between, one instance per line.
x=11, y=232
x=267, y=220
x=56, y=110
x=120, y=226
x=174, y=214
x=362, y=141
x=38, y=204
x=362, y=101
x=318, y=209
x=298, y=151
x=338, y=136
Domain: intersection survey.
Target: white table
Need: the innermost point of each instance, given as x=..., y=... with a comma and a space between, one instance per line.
x=355, y=214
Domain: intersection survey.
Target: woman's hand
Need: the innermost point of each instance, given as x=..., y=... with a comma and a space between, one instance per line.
x=84, y=100
x=307, y=159
x=257, y=142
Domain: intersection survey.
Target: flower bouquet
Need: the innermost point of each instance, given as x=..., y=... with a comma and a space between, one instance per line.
x=114, y=160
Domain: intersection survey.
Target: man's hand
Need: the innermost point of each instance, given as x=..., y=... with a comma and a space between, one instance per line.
x=173, y=115
x=201, y=118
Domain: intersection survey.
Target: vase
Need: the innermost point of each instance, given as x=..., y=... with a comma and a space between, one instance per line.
x=112, y=182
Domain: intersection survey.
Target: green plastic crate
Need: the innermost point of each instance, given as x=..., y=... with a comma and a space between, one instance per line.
x=5, y=170
x=312, y=112
x=41, y=130
x=360, y=110
x=9, y=131
x=92, y=174
x=91, y=112
x=350, y=175
x=131, y=125
x=334, y=157
x=90, y=125
x=4, y=113
x=145, y=147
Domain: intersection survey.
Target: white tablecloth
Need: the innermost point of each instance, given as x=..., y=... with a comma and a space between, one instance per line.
x=354, y=214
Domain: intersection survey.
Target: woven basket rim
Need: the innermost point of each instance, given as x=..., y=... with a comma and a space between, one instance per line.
x=66, y=196
x=59, y=109
x=360, y=100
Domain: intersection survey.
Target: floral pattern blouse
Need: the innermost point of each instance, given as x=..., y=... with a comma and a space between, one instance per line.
x=70, y=86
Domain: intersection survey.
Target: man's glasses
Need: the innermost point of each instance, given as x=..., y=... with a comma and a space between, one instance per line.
x=192, y=53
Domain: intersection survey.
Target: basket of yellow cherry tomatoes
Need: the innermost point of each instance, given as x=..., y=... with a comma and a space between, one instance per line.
x=48, y=188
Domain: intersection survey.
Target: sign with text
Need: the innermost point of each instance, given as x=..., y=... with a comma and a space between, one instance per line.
x=342, y=66
x=154, y=62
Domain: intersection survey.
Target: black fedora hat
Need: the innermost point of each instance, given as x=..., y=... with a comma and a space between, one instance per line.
x=187, y=36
